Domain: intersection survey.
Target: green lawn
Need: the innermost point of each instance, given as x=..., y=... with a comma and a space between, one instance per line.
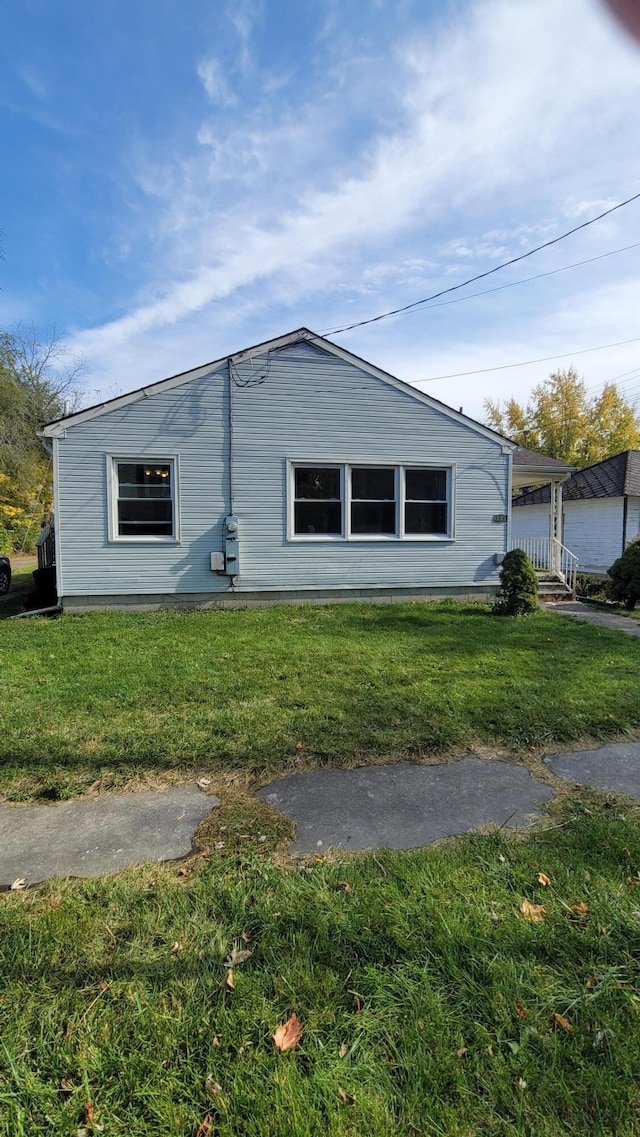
x=104, y=697
x=426, y=999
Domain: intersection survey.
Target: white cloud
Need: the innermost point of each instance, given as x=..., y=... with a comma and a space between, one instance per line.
x=214, y=80
x=490, y=126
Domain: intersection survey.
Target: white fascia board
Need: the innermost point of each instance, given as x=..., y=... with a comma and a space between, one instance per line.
x=420, y=396
x=300, y=335
x=57, y=429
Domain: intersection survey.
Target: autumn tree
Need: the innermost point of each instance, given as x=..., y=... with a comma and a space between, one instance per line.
x=562, y=421
x=38, y=379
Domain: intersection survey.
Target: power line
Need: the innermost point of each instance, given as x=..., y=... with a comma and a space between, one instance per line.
x=482, y=275
x=526, y=279
x=525, y=362
x=627, y=376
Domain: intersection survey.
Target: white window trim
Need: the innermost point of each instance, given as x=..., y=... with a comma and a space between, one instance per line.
x=112, y=498
x=345, y=488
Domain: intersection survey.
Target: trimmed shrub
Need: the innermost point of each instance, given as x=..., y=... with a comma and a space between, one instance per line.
x=518, y=595
x=624, y=577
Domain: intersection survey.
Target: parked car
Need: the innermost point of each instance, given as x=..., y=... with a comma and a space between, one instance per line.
x=5, y=575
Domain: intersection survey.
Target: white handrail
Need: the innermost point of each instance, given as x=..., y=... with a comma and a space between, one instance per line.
x=547, y=554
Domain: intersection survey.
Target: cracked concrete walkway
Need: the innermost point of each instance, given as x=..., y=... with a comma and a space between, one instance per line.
x=94, y=836
x=399, y=806
x=404, y=805
x=585, y=614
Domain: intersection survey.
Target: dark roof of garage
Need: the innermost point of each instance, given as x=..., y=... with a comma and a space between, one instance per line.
x=614, y=477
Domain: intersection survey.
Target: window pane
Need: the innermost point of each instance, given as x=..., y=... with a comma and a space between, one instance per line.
x=373, y=517
x=139, y=529
x=426, y=485
x=425, y=517
x=373, y=485
x=318, y=517
x=144, y=474
x=317, y=482
x=145, y=508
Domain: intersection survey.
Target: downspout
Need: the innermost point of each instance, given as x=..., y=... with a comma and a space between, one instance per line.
x=231, y=477
x=231, y=486
x=509, y=499
x=51, y=448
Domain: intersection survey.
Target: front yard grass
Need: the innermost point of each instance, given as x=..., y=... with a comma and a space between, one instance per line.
x=103, y=698
x=430, y=1006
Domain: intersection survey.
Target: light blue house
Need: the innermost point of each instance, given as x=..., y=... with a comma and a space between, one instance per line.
x=290, y=471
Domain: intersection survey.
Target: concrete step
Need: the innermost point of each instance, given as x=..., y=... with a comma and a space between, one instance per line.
x=557, y=590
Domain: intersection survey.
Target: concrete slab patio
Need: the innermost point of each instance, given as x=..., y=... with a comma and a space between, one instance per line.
x=613, y=767
x=88, y=837
x=403, y=806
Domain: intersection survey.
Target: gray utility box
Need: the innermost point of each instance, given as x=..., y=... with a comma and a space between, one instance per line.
x=231, y=546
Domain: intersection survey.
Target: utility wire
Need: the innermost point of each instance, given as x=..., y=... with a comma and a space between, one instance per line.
x=526, y=279
x=482, y=275
x=525, y=362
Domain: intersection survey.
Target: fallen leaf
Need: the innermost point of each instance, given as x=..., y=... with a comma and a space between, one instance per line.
x=82, y=1132
x=236, y=956
x=204, y=1128
x=521, y=1010
x=580, y=909
x=591, y=983
x=502, y=859
x=534, y=913
x=176, y=947
x=522, y=1085
x=543, y=879
x=66, y=1086
x=462, y=1051
x=227, y=983
x=348, y=1099
x=356, y=999
x=559, y=1020
x=262, y=839
x=216, y=1040
x=219, y=845
x=211, y=1086
x=345, y=884
x=19, y=884
x=88, y=1113
x=342, y=1053
x=287, y=1036
x=490, y=1051
x=204, y=782
x=299, y=745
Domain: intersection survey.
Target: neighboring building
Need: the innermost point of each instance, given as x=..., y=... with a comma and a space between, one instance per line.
x=292, y=470
x=600, y=513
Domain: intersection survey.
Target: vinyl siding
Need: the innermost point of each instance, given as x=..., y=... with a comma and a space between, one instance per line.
x=302, y=404
x=189, y=421
x=312, y=407
x=633, y=518
x=592, y=529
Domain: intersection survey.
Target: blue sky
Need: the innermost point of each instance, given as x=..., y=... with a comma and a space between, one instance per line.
x=183, y=179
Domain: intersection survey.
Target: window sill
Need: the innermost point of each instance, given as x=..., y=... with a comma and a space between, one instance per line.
x=379, y=539
x=144, y=541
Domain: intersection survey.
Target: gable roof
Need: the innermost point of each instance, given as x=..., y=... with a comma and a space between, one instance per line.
x=524, y=457
x=57, y=427
x=613, y=477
